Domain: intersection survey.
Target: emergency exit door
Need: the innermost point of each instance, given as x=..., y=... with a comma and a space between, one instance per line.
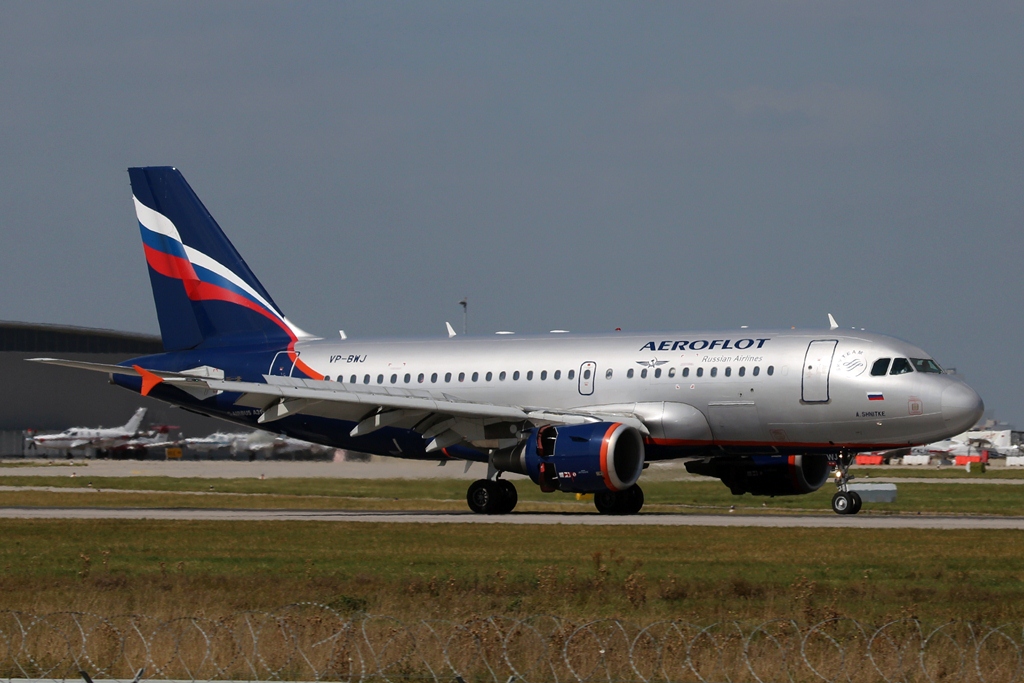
x=817, y=365
x=588, y=373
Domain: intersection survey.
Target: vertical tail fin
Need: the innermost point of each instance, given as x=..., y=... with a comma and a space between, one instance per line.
x=136, y=421
x=205, y=294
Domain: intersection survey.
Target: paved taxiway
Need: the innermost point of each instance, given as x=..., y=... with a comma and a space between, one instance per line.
x=575, y=519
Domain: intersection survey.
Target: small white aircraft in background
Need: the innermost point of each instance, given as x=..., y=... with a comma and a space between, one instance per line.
x=251, y=442
x=77, y=438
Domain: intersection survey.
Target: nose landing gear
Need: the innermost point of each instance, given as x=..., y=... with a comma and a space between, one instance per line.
x=845, y=501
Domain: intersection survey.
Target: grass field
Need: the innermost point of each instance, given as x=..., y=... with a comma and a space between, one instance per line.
x=448, y=494
x=453, y=571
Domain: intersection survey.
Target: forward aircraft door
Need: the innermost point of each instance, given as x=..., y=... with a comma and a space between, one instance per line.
x=588, y=373
x=817, y=365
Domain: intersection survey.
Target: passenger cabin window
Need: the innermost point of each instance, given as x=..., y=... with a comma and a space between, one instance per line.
x=476, y=376
x=462, y=377
x=714, y=372
x=771, y=370
x=366, y=379
x=352, y=379
x=394, y=379
x=572, y=373
x=419, y=378
x=657, y=372
x=686, y=372
x=728, y=372
x=700, y=372
x=900, y=366
x=543, y=374
x=586, y=374
x=757, y=370
x=643, y=373
x=433, y=378
x=671, y=372
x=880, y=367
x=489, y=376
x=515, y=375
x=380, y=379
x=743, y=370
x=447, y=377
x=407, y=377
x=529, y=375
x=501, y=375
x=629, y=373
x=926, y=365
x=558, y=374
x=608, y=373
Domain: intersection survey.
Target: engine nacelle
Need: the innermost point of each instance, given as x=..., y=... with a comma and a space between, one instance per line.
x=766, y=475
x=601, y=456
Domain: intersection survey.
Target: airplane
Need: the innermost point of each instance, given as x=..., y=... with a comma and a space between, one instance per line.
x=769, y=412
x=77, y=438
x=251, y=442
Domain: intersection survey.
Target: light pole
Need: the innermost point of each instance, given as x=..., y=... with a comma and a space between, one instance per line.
x=465, y=314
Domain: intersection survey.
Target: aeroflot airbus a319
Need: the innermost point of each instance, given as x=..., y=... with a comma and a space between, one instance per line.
x=768, y=412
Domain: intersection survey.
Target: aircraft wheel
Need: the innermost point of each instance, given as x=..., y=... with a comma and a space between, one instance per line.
x=484, y=497
x=855, y=502
x=632, y=500
x=842, y=503
x=509, y=496
x=607, y=502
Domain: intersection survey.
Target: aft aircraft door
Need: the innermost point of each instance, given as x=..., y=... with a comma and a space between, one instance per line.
x=588, y=373
x=817, y=365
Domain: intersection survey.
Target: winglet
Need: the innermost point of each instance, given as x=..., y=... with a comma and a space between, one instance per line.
x=451, y=330
x=149, y=380
x=832, y=324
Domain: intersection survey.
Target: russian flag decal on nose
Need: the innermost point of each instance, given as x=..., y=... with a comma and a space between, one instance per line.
x=875, y=396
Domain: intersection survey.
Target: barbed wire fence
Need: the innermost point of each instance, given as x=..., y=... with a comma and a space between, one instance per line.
x=312, y=642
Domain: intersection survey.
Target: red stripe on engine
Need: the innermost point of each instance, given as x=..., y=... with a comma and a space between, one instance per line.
x=604, y=456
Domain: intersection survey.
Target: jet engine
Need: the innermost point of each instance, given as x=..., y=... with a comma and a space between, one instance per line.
x=601, y=456
x=766, y=475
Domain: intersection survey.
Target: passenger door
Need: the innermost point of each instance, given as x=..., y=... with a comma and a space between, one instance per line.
x=817, y=365
x=588, y=373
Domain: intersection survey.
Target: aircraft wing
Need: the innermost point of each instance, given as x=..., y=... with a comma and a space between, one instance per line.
x=443, y=418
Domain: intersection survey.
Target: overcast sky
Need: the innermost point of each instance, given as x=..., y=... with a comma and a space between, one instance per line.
x=582, y=166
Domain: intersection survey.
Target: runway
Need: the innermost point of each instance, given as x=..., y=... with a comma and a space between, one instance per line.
x=863, y=521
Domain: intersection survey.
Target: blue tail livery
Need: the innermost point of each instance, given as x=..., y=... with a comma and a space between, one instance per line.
x=205, y=293
x=767, y=412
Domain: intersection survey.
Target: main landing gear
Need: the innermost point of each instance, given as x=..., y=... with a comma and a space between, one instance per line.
x=627, y=502
x=845, y=501
x=499, y=497
x=492, y=496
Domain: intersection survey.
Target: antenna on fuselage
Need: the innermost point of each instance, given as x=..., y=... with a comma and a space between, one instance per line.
x=832, y=324
x=451, y=330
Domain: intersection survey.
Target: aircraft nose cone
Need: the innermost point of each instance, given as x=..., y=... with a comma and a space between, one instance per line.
x=961, y=407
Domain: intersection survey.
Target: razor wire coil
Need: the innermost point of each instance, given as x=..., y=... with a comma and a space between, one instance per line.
x=313, y=642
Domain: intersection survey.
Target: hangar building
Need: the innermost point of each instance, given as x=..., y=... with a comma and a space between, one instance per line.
x=48, y=398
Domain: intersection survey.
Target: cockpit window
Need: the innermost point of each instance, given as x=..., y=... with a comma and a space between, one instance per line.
x=926, y=365
x=900, y=366
x=880, y=367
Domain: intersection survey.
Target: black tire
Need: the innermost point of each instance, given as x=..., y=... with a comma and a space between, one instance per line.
x=855, y=502
x=484, y=497
x=607, y=502
x=632, y=500
x=509, y=496
x=841, y=503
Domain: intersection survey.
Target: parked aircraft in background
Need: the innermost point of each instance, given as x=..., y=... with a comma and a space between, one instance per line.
x=765, y=411
x=255, y=442
x=79, y=438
